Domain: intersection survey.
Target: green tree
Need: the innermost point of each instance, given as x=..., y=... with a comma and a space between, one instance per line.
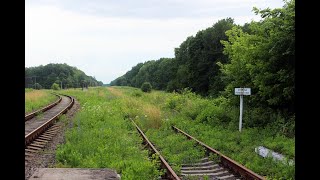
x=146, y=87
x=55, y=86
x=37, y=86
x=57, y=73
x=263, y=58
x=197, y=56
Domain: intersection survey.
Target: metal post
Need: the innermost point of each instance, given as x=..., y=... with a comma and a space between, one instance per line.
x=241, y=109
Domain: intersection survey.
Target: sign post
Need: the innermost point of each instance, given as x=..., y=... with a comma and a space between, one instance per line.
x=241, y=92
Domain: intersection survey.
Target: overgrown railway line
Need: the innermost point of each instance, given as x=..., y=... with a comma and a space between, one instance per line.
x=35, y=113
x=40, y=125
x=40, y=128
x=224, y=169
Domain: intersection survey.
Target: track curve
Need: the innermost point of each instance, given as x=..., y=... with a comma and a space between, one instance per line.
x=35, y=113
x=41, y=128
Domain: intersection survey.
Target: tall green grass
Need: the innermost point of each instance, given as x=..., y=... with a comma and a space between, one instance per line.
x=216, y=124
x=104, y=122
x=102, y=138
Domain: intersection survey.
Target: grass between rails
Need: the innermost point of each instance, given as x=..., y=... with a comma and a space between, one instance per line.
x=204, y=119
x=36, y=99
x=103, y=123
x=101, y=138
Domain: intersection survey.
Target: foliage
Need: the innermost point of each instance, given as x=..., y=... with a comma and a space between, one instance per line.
x=28, y=90
x=70, y=77
x=146, y=87
x=193, y=66
x=218, y=129
x=259, y=55
x=263, y=59
x=37, y=86
x=55, y=86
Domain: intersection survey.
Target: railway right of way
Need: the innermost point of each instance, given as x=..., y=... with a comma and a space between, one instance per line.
x=224, y=169
x=41, y=127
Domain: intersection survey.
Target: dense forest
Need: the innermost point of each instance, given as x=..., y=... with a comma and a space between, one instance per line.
x=60, y=74
x=259, y=55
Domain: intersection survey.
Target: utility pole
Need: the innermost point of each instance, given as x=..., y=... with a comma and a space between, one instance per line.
x=35, y=81
x=61, y=84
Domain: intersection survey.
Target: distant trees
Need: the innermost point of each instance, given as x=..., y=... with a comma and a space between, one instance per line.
x=158, y=73
x=69, y=77
x=259, y=55
x=196, y=59
x=194, y=65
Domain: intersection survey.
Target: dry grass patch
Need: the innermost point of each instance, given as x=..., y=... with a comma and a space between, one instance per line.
x=114, y=91
x=37, y=99
x=152, y=116
x=35, y=95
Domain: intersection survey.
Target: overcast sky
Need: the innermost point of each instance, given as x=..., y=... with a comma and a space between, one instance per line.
x=105, y=38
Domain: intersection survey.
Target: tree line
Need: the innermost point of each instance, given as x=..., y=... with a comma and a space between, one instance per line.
x=61, y=74
x=259, y=55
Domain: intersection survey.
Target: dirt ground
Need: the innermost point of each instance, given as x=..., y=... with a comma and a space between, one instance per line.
x=46, y=157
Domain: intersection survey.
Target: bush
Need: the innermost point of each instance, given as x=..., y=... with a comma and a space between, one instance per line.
x=136, y=93
x=146, y=87
x=55, y=86
x=37, y=86
x=213, y=115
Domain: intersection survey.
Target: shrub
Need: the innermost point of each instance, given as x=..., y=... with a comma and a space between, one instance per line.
x=213, y=115
x=175, y=102
x=146, y=87
x=136, y=93
x=37, y=86
x=55, y=86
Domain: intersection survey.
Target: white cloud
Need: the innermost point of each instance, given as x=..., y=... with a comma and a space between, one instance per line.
x=108, y=46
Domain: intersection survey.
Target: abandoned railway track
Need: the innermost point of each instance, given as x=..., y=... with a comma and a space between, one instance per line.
x=224, y=168
x=40, y=126
x=35, y=113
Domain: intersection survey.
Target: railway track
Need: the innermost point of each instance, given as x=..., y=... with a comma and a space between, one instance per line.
x=40, y=126
x=224, y=168
x=33, y=114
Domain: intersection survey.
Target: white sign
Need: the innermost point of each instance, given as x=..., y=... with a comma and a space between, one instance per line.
x=242, y=91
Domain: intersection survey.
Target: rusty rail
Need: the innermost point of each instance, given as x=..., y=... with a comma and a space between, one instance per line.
x=35, y=133
x=33, y=114
x=170, y=173
x=226, y=161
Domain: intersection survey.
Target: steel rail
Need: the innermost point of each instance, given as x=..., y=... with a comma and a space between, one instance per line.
x=226, y=161
x=33, y=114
x=35, y=133
x=170, y=173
